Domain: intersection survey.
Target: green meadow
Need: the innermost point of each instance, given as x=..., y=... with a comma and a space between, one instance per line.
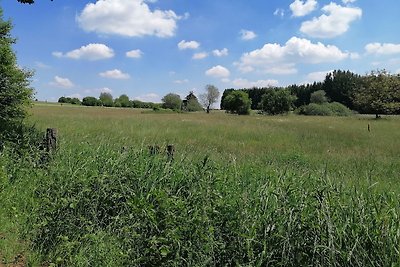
x=240, y=191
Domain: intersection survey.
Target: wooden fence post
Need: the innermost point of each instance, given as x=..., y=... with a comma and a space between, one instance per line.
x=51, y=139
x=170, y=151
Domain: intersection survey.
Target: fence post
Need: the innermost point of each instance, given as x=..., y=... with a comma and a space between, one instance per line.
x=170, y=151
x=51, y=139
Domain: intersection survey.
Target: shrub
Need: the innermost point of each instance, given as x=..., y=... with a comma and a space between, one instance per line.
x=327, y=109
x=339, y=109
x=237, y=102
x=277, y=101
x=172, y=101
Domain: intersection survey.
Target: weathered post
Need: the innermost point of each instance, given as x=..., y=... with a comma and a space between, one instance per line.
x=170, y=152
x=51, y=140
x=369, y=128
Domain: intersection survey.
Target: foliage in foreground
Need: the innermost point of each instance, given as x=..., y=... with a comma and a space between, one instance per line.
x=15, y=91
x=94, y=206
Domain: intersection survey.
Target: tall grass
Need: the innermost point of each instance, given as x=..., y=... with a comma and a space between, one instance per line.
x=254, y=191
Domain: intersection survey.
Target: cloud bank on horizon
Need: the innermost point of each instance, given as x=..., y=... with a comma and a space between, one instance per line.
x=148, y=48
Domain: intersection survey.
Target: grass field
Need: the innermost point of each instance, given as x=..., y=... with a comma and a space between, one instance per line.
x=241, y=191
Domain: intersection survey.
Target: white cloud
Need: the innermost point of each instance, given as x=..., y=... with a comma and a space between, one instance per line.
x=130, y=18
x=318, y=76
x=182, y=45
x=382, y=49
x=220, y=53
x=355, y=55
x=244, y=83
x=302, y=8
x=181, y=81
x=277, y=59
x=348, y=1
x=62, y=82
x=247, y=35
x=89, y=52
x=218, y=72
x=152, y=97
x=115, y=74
x=279, y=12
x=105, y=90
x=335, y=22
x=42, y=65
x=77, y=95
x=200, y=55
x=137, y=53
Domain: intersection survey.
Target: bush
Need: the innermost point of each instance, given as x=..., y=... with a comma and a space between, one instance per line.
x=172, y=101
x=327, y=109
x=237, y=102
x=339, y=109
x=277, y=101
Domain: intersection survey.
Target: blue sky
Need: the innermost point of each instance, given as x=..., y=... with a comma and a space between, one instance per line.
x=148, y=48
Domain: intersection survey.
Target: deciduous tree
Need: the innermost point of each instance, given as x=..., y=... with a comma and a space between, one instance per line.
x=15, y=91
x=172, y=101
x=277, y=101
x=379, y=93
x=237, y=102
x=210, y=97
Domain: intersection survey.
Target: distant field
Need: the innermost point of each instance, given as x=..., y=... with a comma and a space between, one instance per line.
x=343, y=145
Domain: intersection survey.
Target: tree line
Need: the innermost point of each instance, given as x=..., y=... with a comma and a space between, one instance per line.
x=377, y=92
x=169, y=101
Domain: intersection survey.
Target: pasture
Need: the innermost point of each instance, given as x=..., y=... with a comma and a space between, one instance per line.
x=241, y=191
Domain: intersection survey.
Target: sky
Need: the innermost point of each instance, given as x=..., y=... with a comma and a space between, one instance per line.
x=149, y=48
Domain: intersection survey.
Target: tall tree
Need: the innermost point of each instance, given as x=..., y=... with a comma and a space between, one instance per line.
x=210, y=97
x=339, y=86
x=238, y=102
x=172, y=101
x=15, y=91
x=379, y=93
x=123, y=101
x=277, y=101
x=106, y=99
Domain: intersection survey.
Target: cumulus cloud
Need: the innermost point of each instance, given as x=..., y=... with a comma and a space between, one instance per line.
x=244, y=83
x=220, y=53
x=382, y=49
x=336, y=21
x=218, y=72
x=348, y=1
x=105, y=90
x=278, y=59
x=247, y=35
x=137, y=53
x=181, y=81
x=302, y=8
x=151, y=97
x=200, y=55
x=318, y=76
x=62, y=82
x=132, y=18
x=88, y=52
x=183, y=45
x=115, y=74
